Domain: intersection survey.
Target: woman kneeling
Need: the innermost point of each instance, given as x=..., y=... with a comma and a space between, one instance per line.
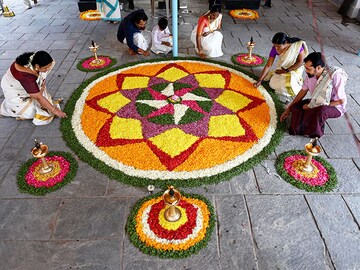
x=25, y=92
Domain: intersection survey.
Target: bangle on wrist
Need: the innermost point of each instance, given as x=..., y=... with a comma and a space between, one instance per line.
x=53, y=109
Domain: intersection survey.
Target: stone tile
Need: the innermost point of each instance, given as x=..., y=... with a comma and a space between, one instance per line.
x=338, y=228
x=117, y=189
x=56, y=36
x=290, y=142
x=347, y=149
x=244, y=183
x=220, y=188
x=343, y=125
x=7, y=126
x=58, y=22
x=206, y=258
x=352, y=201
x=8, y=187
x=269, y=182
x=348, y=175
x=4, y=167
x=75, y=76
x=12, y=44
x=15, y=142
x=235, y=237
x=285, y=233
x=67, y=89
x=34, y=219
x=91, y=255
x=96, y=185
x=91, y=218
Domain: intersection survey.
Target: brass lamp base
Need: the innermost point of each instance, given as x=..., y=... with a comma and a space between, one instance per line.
x=45, y=170
x=308, y=168
x=249, y=58
x=172, y=214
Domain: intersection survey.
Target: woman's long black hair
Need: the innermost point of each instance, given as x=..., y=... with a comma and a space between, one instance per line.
x=281, y=38
x=40, y=58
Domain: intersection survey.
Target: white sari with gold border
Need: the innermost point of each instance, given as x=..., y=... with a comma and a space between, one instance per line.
x=288, y=84
x=19, y=104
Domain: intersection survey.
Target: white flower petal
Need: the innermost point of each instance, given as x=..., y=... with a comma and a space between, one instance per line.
x=190, y=96
x=169, y=90
x=154, y=103
x=179, y=112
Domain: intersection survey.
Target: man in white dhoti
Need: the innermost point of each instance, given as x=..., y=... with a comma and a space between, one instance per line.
x=25, y=92
x=133, y=33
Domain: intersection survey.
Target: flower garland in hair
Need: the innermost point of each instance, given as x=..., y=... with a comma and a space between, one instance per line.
x=29, y=64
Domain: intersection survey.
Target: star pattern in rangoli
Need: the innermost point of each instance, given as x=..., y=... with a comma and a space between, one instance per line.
x=172, y=111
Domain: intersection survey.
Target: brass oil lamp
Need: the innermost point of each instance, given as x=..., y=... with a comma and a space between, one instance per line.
x=312, y=149
x=94, y=47
x=39, y=151
x=171, y=198
x=250, y=46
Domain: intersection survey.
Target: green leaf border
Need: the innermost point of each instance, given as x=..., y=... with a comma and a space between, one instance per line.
x=233, y=59
x=328, y=186
x=73, y=143
x=168, y=254
x=41, y=191
x=80, y=67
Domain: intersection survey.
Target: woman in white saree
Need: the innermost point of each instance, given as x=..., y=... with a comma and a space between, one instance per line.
x=287, y=78
x=205, y=36
x=26, y=96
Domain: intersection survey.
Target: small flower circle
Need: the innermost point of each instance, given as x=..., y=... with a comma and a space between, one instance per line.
x=290, y=166
x=92, y=64
x=33, y=180
x=153, y=234
x=244, y=14
x=242, y=59
x=90, y=15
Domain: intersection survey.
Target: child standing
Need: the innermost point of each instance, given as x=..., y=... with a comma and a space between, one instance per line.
x=161, y=38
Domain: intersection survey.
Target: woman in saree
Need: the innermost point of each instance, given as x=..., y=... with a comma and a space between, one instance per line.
x=205, y=36
x=286, y=79
x=25, y=92
x=110, y=10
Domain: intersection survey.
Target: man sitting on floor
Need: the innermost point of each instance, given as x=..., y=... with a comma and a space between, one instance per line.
x=132, y=32
x=326, y=86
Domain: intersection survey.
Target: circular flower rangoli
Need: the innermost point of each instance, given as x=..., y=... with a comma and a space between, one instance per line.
x=90, y=64
x=153, y=234
x=90, y=15
x=32, y=180
x=290, y=167
x=244, y=14
x=241, y=60
x=171, y=120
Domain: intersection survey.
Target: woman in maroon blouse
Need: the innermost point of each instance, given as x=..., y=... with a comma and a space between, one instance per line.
x=25, y=91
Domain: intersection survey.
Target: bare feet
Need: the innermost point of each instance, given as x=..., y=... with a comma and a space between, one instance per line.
x=131, y=52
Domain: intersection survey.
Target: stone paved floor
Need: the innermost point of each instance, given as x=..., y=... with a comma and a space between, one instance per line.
x=262, y=222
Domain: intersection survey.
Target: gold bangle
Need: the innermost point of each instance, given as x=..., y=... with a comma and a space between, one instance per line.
x=53, y=109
